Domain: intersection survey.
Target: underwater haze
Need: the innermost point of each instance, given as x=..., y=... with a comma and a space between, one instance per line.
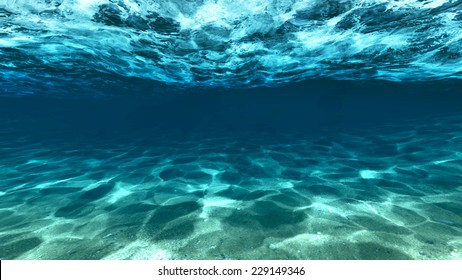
x=219, y=129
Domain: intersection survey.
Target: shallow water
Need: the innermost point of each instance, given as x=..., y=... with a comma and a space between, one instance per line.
x=86, y=179
x=230, y=42
x=218, y=129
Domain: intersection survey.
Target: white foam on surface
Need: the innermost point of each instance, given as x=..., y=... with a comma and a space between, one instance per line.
x=311, y=38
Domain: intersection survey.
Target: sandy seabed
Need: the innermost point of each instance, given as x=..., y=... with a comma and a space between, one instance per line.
x=377, y=193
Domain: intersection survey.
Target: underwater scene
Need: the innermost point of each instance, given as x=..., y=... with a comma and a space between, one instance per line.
x=230, y=130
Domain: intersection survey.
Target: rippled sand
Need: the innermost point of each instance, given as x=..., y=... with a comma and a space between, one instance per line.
x=389, y=192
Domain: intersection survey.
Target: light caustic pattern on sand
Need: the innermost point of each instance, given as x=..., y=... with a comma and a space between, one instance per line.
x=384, y=193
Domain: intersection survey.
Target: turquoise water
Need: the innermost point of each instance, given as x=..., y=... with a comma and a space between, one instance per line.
x=79, y=183
x=216, y=129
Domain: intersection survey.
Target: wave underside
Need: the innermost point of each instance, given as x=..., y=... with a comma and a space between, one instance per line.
x=224, y=42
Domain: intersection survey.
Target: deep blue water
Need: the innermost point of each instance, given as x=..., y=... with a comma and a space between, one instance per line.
x=230, y=129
